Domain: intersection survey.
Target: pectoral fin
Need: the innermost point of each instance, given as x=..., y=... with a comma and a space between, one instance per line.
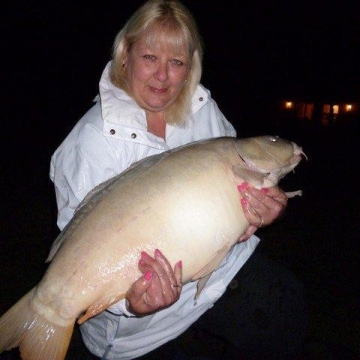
x=291, y=194
x=201, y=284
x=254, y=178
x=204, y=274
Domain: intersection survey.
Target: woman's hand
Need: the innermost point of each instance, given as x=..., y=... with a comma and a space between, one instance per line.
x=158, y=288
x=261, y=207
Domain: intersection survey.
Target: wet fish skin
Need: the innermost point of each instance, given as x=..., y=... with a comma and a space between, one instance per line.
x=184, y=202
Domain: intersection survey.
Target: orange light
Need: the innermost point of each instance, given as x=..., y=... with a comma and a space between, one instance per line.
x=289, y=104
x=348, y=107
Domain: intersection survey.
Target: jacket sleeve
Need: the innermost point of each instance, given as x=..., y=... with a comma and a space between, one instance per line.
x=84, y=160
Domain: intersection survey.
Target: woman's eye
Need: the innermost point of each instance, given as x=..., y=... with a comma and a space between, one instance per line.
x=177, y=62
x=149, y=57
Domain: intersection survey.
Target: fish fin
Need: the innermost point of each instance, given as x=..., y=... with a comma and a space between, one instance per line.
x=201, y=284
x=204, y=274
x=291, y=194
x=99, y=307
x=214, y=263
x=254, y=178
x=37, y=337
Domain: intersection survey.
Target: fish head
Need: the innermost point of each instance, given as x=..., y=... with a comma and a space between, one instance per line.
x=264, y=160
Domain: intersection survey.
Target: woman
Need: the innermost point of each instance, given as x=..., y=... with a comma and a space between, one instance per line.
x=150, y=101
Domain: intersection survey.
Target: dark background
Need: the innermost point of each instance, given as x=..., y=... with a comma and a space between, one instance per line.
x=256, y=52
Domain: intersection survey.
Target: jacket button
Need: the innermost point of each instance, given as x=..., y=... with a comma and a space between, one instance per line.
x=133, y=135
x=201, y=98
x=112, y=131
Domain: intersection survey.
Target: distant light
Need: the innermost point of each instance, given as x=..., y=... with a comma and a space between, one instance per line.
x=348, y=107
x=289, y=104
x=335, y=109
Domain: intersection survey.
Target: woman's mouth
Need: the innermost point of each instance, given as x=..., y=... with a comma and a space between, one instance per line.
x=157, y=90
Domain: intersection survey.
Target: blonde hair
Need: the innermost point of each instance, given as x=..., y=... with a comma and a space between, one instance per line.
x=178, y=30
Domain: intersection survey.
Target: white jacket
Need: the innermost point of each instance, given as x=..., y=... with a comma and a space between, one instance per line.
x=109, y=138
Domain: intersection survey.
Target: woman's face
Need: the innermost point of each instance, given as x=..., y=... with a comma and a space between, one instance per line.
x=155, y=76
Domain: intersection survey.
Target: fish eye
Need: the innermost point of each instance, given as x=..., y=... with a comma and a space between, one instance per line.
x=273, y=138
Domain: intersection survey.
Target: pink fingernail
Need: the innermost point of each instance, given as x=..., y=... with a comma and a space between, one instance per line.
x=244, y=202
x=158, y=252
x=141, y=262
x=265, y=190
x=144, y=255
x=243, y=186
x=148, y=275
x=179, y=264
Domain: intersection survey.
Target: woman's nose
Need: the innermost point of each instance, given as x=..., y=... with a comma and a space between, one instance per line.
x=162, y=72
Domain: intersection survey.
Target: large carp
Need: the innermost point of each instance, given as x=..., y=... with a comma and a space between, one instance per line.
x=184, y=202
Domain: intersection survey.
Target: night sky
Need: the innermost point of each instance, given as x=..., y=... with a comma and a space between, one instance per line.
x=56, y=51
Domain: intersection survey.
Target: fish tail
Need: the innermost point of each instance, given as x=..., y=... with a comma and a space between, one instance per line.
x=37, y=337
